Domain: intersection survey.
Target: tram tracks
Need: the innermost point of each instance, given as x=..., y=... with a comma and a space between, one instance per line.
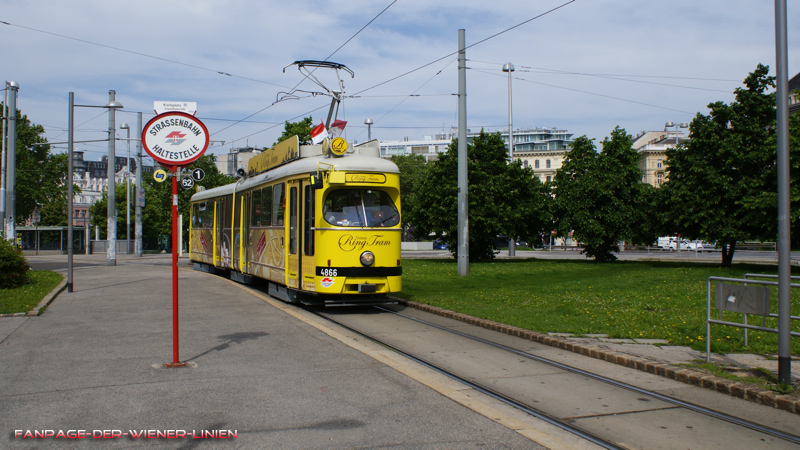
x=619, y=415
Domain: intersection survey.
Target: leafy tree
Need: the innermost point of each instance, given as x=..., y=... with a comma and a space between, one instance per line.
x=600, y=196
x=722, y=185
x=504, y=199
x=412, y=171
x=157, y=212
x=40, y=175
x=302, y=129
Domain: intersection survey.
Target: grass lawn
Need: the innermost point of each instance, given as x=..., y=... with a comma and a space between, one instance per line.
x=624, y=299
x=25, y=298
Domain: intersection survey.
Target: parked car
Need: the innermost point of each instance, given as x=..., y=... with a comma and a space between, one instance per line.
x=439, y=245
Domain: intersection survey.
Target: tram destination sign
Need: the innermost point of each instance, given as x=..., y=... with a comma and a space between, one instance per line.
x=175, y=138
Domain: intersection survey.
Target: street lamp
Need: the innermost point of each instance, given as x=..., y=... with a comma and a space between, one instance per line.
x=125, y=126
x=111, y=106
x=369, y=123
x=508, y=67
x=670, y=125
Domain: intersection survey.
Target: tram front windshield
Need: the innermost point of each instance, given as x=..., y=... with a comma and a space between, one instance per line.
x=360, y=208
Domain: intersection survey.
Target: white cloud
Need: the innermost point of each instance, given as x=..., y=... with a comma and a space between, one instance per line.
x=172, y=50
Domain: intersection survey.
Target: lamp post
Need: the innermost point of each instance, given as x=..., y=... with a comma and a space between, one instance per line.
x=508, y=67
x=111, y=233
x=369, y=123
x=681, y=125
x=111, y=106
x=670, y=125
x=125, y=126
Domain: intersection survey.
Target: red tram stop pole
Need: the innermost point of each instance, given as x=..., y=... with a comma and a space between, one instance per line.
x=174, y=139
x=176, y=361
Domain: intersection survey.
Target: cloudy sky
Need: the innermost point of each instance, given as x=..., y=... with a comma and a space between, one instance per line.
x=586, y=67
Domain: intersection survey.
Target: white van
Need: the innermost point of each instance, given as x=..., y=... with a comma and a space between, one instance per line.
x=671, y=243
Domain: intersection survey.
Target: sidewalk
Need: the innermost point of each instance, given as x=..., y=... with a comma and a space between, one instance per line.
x=94, y=361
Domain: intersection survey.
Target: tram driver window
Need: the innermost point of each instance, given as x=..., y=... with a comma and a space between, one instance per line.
x=360, y=208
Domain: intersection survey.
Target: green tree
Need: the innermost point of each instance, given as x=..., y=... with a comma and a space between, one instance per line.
x=302, y=129
x=504, y=199
x=157, y=212
x=412, y=171
x=722, y=185
x=600, y=196
x=40, y=175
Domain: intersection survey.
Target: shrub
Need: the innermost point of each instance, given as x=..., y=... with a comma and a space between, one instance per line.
x=14, y=268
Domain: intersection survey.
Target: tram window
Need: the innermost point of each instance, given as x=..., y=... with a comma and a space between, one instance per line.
x=256, y=217
x=195, y=215
x=266, y=206
x=360, y=207
x=278, y=205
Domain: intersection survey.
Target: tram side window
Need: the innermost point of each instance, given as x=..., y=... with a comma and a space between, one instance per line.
x=266, y=206
x=256, y=202
x=278, y=204
x=195, y=215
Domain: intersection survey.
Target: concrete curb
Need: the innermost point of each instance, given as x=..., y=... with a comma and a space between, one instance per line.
x=38, y=310
x=736, y=389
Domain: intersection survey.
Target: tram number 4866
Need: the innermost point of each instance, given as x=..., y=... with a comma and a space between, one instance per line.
x=328, y=272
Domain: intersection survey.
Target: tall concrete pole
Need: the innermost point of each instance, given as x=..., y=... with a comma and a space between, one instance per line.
x=3, y=165
x=508, y=67
x=139, y=188
x=11, y=173
x=784, y=233
x=111, y=237
x=463, y=184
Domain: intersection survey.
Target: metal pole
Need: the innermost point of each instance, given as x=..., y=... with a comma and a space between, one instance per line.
x=128, y=194
x=11, y=175
x=70, y=142
x=139, y=188
x=508, y=67
x=111, y=234
x=4, y=132
x=175, y=333
x=784, y=237
x=463, y=184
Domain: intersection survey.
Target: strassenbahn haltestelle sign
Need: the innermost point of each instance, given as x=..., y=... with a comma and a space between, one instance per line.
x=175, y=138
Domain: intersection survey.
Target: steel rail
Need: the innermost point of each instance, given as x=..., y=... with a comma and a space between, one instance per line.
x=496, y=395
x=700, y=409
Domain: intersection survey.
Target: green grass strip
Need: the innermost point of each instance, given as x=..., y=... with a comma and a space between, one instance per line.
x=624, y=299
x=25, y=298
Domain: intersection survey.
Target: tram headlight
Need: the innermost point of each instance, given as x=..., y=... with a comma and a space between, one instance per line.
x=367, y=258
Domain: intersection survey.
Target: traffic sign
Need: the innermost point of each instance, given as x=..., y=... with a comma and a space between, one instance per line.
x=187, y=183
x=175, y=138
x=198, y=174
x=160, y=175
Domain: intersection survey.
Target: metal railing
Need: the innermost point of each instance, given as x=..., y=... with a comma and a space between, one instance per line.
x=744, y=281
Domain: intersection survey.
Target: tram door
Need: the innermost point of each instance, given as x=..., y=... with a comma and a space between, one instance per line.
x=293, y=261
x=301, y=265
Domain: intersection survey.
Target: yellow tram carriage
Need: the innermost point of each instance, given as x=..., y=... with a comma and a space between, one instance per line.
x=319, y=223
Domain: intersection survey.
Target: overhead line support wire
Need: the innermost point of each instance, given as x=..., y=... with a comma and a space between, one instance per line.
x=468, y=46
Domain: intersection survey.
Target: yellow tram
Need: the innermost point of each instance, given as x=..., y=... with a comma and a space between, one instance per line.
x=319, y=223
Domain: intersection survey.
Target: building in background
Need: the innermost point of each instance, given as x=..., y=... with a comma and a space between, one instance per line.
x=92, y=179
x=235, y=159
x=541, y=149
x=652, y=146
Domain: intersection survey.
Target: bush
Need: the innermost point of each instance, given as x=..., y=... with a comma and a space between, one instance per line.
x=14, y=268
